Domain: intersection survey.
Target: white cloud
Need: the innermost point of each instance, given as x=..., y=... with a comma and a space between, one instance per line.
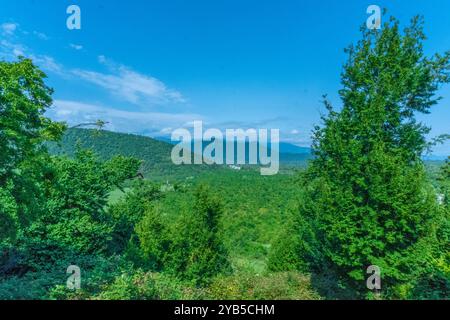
x=295, y=131
x=166, y=131
x=102, y=59
x=11, y=50
x=130, y=85
x=120, y=80
x=150, y=123
x=8, y=28
x=76, y=46
x=41, y=35
x=48, y=63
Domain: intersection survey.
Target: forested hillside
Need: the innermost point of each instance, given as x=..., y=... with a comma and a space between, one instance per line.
x=155, y=155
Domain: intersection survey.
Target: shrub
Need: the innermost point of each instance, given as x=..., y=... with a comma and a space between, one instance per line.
x=273, y=286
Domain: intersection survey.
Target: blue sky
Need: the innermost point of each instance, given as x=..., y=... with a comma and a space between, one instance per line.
x=149, y=67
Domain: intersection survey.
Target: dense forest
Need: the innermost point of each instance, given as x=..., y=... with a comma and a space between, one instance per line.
x=139, y=227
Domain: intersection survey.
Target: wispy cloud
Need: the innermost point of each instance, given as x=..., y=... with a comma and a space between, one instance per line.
x=149, y=123
x=11, y=50
x=48, y=64
x=8, y=28
x=41, y=35
x=131, y=86
x=76, y=46
x=120, y=80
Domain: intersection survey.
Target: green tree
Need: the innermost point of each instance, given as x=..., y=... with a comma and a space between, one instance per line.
x=130, y=211
x=444, y=182
x=154, y=239
x=120, y=168
x=434, y=283
x=198, y=252
x=190, y=248
x=77, y=191
x=24, y=98
x=369, y=200
x=285, y=249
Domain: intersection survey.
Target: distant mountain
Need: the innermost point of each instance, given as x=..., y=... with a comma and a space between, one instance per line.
x=165, y=139
x=285, y=147
x=290, y=148
x=290, y=154
x=155, y=154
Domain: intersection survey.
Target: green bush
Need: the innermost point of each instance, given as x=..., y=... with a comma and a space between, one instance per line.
x=190, y=247
x=130, y=210
x=273, y=286
x=141, y=285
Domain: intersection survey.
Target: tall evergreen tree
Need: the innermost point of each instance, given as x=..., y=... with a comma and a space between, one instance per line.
x=196, y=252
x=369, y=200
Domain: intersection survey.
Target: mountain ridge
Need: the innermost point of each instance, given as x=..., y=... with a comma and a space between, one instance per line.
x=155, y=154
